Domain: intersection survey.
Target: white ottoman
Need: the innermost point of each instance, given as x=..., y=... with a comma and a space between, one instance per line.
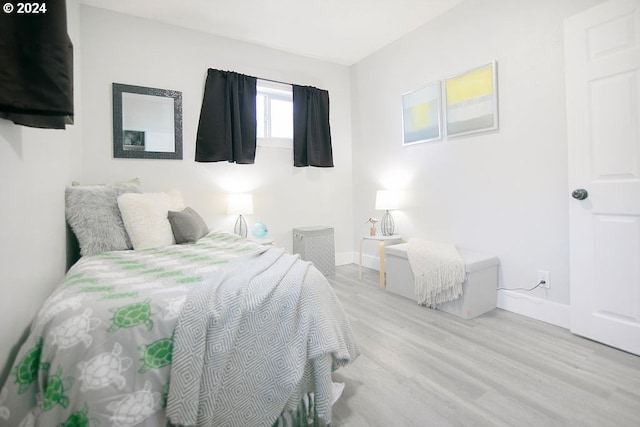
x=479, y=290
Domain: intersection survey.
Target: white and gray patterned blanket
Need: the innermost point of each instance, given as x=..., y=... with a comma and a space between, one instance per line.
x=272, y=333
x=100, y=350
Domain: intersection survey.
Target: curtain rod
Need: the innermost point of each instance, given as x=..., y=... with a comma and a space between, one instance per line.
x=285, y=83
x=274, y=81
x=268, y=80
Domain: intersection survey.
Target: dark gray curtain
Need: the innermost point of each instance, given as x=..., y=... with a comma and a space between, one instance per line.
x=36, y=71
x=227, y=127
x=311, y=131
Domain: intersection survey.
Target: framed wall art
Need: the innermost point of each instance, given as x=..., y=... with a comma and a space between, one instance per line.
x=421, y=112
x=471, y=101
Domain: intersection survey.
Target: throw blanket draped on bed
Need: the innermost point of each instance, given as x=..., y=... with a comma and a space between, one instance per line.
x=438, y=270
x=278, y=307
x=101, y=348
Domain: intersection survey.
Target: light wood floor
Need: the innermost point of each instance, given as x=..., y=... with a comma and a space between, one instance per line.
x=422, y=367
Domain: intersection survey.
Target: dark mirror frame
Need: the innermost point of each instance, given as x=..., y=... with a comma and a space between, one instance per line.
x=118, y=131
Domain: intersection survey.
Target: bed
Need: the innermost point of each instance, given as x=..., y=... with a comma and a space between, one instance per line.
x=219, y=331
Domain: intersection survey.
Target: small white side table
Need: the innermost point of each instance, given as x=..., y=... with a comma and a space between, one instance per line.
x=381, y=242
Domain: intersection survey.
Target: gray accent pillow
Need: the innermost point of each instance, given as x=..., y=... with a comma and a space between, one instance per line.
x=93, y=214
x=187, y=225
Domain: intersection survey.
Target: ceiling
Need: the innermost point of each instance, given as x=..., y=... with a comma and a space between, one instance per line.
x=341, y=31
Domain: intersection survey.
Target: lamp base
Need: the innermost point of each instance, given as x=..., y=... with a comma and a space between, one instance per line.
x=387, y=225
x=241, y=227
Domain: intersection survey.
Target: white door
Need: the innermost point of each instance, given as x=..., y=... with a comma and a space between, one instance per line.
x=602, y=58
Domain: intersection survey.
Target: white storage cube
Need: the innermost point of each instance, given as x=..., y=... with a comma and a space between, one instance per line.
x=479, y=290
x=316, y=244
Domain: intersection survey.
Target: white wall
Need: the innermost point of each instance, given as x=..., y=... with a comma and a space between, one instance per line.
x=124, y=49
x=504, y=192
x=35, y=167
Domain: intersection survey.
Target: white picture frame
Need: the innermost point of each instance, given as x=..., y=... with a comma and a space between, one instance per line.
x=422, y=114
x=471, y=101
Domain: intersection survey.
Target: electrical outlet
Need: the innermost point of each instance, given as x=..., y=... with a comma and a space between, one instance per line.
x=543, y=276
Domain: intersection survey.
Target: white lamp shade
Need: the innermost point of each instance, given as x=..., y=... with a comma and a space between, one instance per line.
x=386, y=200
x=240, y=204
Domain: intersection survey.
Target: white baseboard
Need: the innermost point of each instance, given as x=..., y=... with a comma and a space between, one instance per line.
x=344, y=258
x=536, y=308
x=368, y=261
x=526, y=305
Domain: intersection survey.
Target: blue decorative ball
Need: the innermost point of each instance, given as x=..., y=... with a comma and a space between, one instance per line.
x=259, y=230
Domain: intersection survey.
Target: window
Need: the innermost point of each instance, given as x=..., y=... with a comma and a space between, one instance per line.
x=274, y=114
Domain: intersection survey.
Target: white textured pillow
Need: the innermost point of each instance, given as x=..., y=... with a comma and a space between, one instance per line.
x=145, y=217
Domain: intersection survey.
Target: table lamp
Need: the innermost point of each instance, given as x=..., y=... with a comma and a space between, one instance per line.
x=386, y=200
x=240, y=204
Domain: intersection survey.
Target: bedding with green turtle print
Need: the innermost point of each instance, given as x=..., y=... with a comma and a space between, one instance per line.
x=223, y=331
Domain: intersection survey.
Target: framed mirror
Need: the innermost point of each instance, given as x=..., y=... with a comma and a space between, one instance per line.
x=147, y=122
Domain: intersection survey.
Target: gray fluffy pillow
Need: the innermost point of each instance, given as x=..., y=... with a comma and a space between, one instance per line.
x=93, y=214
x=187, y=226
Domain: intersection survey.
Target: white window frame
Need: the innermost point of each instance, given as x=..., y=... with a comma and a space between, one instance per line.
x=273, y=90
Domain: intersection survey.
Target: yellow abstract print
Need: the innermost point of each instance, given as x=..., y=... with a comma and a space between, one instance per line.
x=471, y=101
x=421, y=114
x=474, y=84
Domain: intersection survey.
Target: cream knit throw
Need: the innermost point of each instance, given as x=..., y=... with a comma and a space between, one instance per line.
x=438, y=270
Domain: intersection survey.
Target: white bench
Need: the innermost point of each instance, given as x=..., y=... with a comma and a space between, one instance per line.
x=479, y=290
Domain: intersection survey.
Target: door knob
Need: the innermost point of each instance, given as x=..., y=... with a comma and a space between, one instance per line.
x=580, y=194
